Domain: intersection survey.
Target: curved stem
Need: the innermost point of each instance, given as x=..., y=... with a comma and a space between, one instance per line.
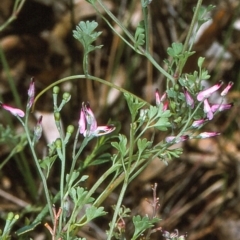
x=84, y=77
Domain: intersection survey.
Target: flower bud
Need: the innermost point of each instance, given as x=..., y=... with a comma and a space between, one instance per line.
x=58, y=143
x=57, y=116
x=38, y=129
x=56, y=90
x=70, y=129
x=66, y=97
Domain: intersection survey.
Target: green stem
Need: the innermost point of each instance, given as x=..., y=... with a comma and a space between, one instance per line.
x=125, y=183
x=16, y=9
x=119, y=202
x=145, y=17
x=130, y=36
x=75, y=157
x=194, y=20
x=10, y=79
x=84, y=77
x=44, y=182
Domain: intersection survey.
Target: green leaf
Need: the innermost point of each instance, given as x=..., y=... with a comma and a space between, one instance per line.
x=139, y=35
x=142, y=224
x=152, y=112
x=26, y=229
x=200, y=62
x=121, y=146
x=205, y=75
x=47, y=162
x=143, y=144
x=85, y=34
x=79, y=196
x=106, y=157
x=175, y=50
x=133, y=104
x=162, y=124
x=73, y=178
x=93, y=212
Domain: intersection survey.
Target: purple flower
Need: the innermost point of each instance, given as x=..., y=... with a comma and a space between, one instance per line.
x=88, y=124
x=38, y=129
x=31, y=93
x=82, y=120
x=225, y=91
x=165, y=105
x=199, y=123
x=207, y=110
x=208, y=92
x=189, y=99
x=14, y=111
x=208, y=134
x=174, y=139
x=221, y=107
x=159, y=99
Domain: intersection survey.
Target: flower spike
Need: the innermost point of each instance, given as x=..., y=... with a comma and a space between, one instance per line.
x=14, y=111
x=208, y=92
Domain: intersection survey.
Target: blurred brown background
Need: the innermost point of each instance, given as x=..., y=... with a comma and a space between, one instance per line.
x=200, y=192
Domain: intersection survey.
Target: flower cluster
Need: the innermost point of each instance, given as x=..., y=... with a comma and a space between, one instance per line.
x=208, y=109
x=88, y=125
x=203, y=96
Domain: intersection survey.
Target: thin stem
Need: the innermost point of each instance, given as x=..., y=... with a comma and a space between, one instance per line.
x=130, y=36
x=75, y=158
x=10, y=79
x=84, y=77
x=190, y=31
x=16, y=9
x=35, y=158
x=145, y=17
x=125, y=183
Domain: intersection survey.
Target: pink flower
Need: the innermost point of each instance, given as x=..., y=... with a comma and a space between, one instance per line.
x=199, y=123
x=165, y=105
x=221, y=107
x=208, y=134
x=208, y=92
x=88, y=124
x=174, y=139
x=82, y=121
x=225, y=91
x=38, y=129
x=14, y=111
x=159, y=99
x=207, y=109
x=31, y=93
x=189, y=99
